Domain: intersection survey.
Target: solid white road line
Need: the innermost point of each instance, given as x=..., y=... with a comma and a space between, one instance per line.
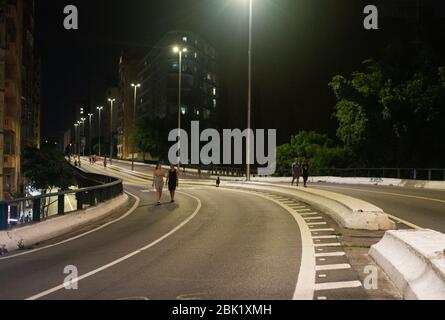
x=128, y=213
x=337, y=285
x=313, y=218
x=330, y=254
x=333, y=267
x=409, y=224
x=129, y=256
x=304, y=289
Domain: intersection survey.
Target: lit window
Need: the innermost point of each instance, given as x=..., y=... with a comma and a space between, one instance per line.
x=184, y=110
x=196, y=55
x=175, y=66
x=214, y=103
x=209, y=76
x=184, y=39
x=214, y=91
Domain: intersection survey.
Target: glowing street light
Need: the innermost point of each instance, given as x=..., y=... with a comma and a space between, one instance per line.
x=100, y=108
x=111, y=100
x=90, y=115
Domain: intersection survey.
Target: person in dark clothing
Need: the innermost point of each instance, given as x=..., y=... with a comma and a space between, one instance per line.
x=218, y=182
x=172, y=181
x=305, y=170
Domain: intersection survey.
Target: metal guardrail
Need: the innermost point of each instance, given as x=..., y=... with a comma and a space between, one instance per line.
x=35, y=209
x=428, y=174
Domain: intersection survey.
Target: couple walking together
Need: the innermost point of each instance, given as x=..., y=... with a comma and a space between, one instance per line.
x=172, y=181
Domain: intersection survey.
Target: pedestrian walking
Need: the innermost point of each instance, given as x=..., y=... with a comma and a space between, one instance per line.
x=158, y=182
x=218, y=182
x=296, y=172
x=105, y=162
x=173, y=181
x=305, y=169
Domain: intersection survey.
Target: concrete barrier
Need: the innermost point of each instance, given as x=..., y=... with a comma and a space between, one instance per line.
x=421, y=184
x=349, y=212
x=415, y=261
x=22, y=237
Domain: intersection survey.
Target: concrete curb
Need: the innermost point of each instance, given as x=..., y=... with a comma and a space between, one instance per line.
x=420, y=184
x=23, y=237
x=415, y=261
x=349, y=212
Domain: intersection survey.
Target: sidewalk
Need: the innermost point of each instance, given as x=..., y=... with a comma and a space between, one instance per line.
x=23, y=237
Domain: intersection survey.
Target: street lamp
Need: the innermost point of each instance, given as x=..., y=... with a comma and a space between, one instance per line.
x=76, y=127
x=100, y=108
x=249, y=91
x=135, y=86
x=179, y=50
x=90, y=115
x=83, y=137
x=111, y=100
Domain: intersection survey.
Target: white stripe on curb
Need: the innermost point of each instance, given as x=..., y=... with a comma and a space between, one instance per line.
x=337, y=285
x=333, y=267
x=330, y=254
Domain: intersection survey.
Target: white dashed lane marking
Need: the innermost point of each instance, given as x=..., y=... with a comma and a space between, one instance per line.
x=330, y=260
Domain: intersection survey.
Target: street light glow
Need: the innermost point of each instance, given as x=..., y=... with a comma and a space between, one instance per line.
x=177, y=49
x=136, y=85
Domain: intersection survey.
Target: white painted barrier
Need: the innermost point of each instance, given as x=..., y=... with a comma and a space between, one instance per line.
x=349, y=212
x=421, y=184
x=415, y=261
x=26, y=236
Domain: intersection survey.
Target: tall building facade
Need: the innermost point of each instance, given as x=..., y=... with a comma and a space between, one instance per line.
x=20, y=94
x=158, y=76
x=128, y=70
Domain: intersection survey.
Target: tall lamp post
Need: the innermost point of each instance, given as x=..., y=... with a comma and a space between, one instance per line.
x=135, y=86
x=111, y=100
x=78, y=137
x=90, y=140
x=100, y=108
x=83, y=137
x=76, y=127
x=179, y=51
x=249, y=91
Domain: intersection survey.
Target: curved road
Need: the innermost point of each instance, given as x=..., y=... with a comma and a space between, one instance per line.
x=208, y=246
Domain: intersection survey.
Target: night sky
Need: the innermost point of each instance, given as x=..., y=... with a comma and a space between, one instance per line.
x=298, y=46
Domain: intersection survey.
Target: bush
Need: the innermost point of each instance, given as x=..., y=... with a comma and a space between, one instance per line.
x=318, y=149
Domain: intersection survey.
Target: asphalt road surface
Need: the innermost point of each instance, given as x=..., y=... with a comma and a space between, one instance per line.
x=206, y=246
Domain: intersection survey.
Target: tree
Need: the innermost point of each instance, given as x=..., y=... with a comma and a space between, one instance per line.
x=318, y=149
x=46, y=169
x=150, y=137
x=391, y=112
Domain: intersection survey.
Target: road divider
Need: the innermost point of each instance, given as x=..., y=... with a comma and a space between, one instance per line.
x=349, y=212
x=27, y=236
x=415, y=261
